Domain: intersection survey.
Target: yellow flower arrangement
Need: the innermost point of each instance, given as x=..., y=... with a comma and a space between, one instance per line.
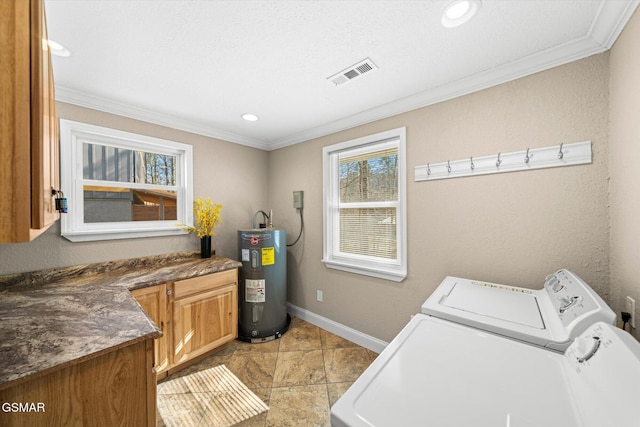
x=207, y=217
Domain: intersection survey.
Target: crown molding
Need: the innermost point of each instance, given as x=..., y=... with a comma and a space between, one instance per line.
x=71, y=96
x=611, y=20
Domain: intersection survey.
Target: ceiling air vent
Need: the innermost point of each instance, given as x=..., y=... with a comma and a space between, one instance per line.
x=352, y=72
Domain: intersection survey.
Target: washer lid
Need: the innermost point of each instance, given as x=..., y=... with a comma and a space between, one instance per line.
x=440, y=373
x=516, y=305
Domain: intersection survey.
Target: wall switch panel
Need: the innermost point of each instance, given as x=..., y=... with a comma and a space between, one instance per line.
x=319, y=295
x=298, y=199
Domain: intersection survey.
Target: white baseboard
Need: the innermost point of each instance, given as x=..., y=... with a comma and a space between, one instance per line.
x=366, y=341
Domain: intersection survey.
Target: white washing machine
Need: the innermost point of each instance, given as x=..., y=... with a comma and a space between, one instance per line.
x=443, y=374
x=549, y=317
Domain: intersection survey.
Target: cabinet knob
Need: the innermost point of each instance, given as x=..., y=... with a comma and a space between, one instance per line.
x=169, y=292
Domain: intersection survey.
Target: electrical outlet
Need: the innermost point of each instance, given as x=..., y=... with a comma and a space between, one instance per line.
x=631, y=309
x=319, y=295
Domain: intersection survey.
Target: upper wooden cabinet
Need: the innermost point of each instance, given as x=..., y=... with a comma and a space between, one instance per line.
x=28, y=124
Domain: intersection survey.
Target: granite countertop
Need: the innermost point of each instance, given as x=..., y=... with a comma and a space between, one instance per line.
x=51, y=319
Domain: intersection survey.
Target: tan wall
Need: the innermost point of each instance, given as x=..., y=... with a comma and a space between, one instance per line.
x=231, y=174
x=512, y=228
x=624, y=147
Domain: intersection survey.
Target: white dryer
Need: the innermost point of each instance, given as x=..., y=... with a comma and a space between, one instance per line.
x=549, y=317
x=440, y=373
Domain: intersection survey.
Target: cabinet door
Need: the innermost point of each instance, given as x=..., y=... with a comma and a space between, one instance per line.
x=44, y=135
x=15, y=162
x=28, y=124
x=153, y=301
x=204, y=321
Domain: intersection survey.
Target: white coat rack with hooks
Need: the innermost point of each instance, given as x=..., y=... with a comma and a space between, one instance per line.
x=577, y=153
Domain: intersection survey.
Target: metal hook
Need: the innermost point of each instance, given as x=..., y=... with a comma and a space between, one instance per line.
x=498, y=162
x=448, y=166
x=526, y=157
x=472, y=165
x=428, y=169
x=560, y=153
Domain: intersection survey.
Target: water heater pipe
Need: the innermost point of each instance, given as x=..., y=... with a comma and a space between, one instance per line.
x=264, y=217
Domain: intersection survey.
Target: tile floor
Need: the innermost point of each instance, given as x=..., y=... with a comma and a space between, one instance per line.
x=298, y=376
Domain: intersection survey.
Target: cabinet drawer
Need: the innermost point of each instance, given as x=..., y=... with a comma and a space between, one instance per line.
x=199, y=284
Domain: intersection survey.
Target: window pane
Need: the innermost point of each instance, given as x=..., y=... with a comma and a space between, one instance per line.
x=106, y=163
x=369, y=231
x=113, y=204
x=369, y=178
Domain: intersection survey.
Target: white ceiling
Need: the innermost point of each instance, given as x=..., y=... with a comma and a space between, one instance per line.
x=198, y=65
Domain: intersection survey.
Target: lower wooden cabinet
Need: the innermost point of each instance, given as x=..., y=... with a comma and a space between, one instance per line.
x=153, y=301
x=115, y=389
x=205, y=314
x=195, y=315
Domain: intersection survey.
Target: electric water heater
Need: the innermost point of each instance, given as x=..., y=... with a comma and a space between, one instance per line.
x=262, y=285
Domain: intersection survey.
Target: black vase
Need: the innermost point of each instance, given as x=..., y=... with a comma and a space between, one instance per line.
x=205, y=247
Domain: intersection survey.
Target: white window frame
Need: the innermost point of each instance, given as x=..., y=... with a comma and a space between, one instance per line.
x=72, y=136
x=395, y=270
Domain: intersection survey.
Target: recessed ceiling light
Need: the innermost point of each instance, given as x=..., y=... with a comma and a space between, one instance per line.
x=57, y=49
x=250, y=117
x=459, y=12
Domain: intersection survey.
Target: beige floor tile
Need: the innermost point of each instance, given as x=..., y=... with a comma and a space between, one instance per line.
x=263, y=347
x=255, y=370
x=336, y=390
x=330, y=340
x=261, y=419
x=178, y=410
x=215, y=404
x=301, y=336
x=299, y=368
x=208, y=362
x=345, y=364
x=372, y=355
x=306, y=406
x=299, y=377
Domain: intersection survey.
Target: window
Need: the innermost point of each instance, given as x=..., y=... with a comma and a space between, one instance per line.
x=365, y=205
x=122, y=185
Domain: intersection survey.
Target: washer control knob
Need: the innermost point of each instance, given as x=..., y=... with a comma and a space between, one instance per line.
x=586, y=347
x=549, y=277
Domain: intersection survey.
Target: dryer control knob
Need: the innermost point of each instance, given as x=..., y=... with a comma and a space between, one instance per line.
x=556, y=286
x=567, y=303
x=586, y=347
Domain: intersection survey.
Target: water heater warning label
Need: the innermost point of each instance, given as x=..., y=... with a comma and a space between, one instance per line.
x=268, y=256
x=254, y=290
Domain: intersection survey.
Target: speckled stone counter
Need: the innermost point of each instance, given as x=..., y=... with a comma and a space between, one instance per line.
x=51, y=319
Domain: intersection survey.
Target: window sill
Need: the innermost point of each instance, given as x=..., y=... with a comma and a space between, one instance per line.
x=90, y=236
x=380, y=273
